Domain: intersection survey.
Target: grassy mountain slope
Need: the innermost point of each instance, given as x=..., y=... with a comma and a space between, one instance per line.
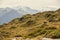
x=43, y=24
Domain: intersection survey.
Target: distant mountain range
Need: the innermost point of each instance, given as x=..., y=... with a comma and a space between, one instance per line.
x=7, y=14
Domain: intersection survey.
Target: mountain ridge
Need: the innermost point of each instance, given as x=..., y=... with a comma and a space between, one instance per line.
x=42, y=24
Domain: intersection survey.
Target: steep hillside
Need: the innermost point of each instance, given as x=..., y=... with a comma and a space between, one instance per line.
x=42, y=24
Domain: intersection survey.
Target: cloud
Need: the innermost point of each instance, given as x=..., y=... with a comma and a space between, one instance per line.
x=36, y=4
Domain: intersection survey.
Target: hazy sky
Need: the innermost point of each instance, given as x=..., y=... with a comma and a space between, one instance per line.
x=35, y=4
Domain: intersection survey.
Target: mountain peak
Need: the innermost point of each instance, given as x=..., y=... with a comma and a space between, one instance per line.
x=7, y=14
